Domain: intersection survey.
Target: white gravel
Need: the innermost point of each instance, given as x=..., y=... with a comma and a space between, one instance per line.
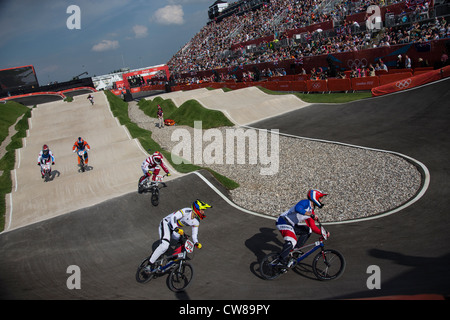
x=359, y=182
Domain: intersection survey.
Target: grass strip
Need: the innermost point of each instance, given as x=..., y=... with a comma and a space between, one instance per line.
x=9, y=113
x=186, y=114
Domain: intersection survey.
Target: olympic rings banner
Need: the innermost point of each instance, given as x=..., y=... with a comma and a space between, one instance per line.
x=411, y=82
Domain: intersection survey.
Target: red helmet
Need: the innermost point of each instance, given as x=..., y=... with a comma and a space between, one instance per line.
x=157, y=157
x=315, y=196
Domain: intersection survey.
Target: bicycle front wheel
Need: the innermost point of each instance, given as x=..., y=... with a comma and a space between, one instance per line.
x=155, y=196
x=180, y=277
x=328, y=265
x=269, y=268
x=142, y=276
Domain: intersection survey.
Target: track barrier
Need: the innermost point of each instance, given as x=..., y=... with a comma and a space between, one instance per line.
x=410, y=81
x=299, y=83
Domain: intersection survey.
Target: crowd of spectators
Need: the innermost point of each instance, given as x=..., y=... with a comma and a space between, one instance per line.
x=417, y=33
x=208, y=48
x=211, y=47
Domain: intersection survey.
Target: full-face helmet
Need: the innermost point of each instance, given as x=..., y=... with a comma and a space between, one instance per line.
x=157, y=157
x=315, y=196
x=198, y=205
x=45, y=149
x=80, y=142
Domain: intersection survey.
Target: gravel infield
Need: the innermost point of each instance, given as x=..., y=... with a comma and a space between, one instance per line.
x=360, y=182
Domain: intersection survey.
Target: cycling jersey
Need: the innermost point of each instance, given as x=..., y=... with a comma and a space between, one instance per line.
x=84, y=146
x=150, y=165
x=296, y=215
x=184, y=218
x=47, y=158
x=179, y=219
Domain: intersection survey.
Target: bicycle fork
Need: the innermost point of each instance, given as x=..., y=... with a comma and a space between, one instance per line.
x=325, y=260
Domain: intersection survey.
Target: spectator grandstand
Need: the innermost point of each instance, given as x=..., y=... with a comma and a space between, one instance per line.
x=254, y=39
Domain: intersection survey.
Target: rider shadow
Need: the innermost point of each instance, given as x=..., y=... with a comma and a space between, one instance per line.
x=262, y=243
x=53, y=175
x=305, y=270
x=267, y=241
x=86, y=168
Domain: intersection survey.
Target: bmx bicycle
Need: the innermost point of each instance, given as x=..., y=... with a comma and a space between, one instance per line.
x=46, y=169
x=152, y=187
x=82, y=165
x=179, y=270
x=328, y=264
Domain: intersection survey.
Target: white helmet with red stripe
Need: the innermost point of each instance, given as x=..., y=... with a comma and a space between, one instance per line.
x=157, y=157
x=315, y=196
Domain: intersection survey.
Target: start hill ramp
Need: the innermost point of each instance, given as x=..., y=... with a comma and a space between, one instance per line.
x=113, y=168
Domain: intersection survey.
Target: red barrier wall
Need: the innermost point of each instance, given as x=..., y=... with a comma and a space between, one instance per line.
x=35, y=94
x=77, y=89
x=388, y=78
x=366, y=83
x=316, y=85
x=330, y=85
x=411, y=82
x=339, y=85
x=299, y=86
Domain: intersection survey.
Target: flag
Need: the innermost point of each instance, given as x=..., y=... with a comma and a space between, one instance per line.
x=411, y=4
x=341, y=30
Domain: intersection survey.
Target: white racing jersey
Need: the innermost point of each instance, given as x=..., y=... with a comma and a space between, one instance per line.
x=183, y=218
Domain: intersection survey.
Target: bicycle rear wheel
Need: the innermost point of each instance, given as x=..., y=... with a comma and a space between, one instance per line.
x=269, y=268
x=328, y=264
x=142, y=276
x=180, y=277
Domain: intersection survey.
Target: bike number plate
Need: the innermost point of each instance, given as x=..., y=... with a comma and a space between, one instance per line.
x=324, y=233
x=189, y=245
x=81, y=153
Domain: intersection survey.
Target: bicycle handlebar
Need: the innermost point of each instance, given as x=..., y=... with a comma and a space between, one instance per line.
x=323, y=230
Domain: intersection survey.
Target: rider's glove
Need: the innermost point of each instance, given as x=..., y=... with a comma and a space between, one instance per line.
x=198, y=245
x=39, y=164
x=53, y=163
x=168, y=174
x=179, y=231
